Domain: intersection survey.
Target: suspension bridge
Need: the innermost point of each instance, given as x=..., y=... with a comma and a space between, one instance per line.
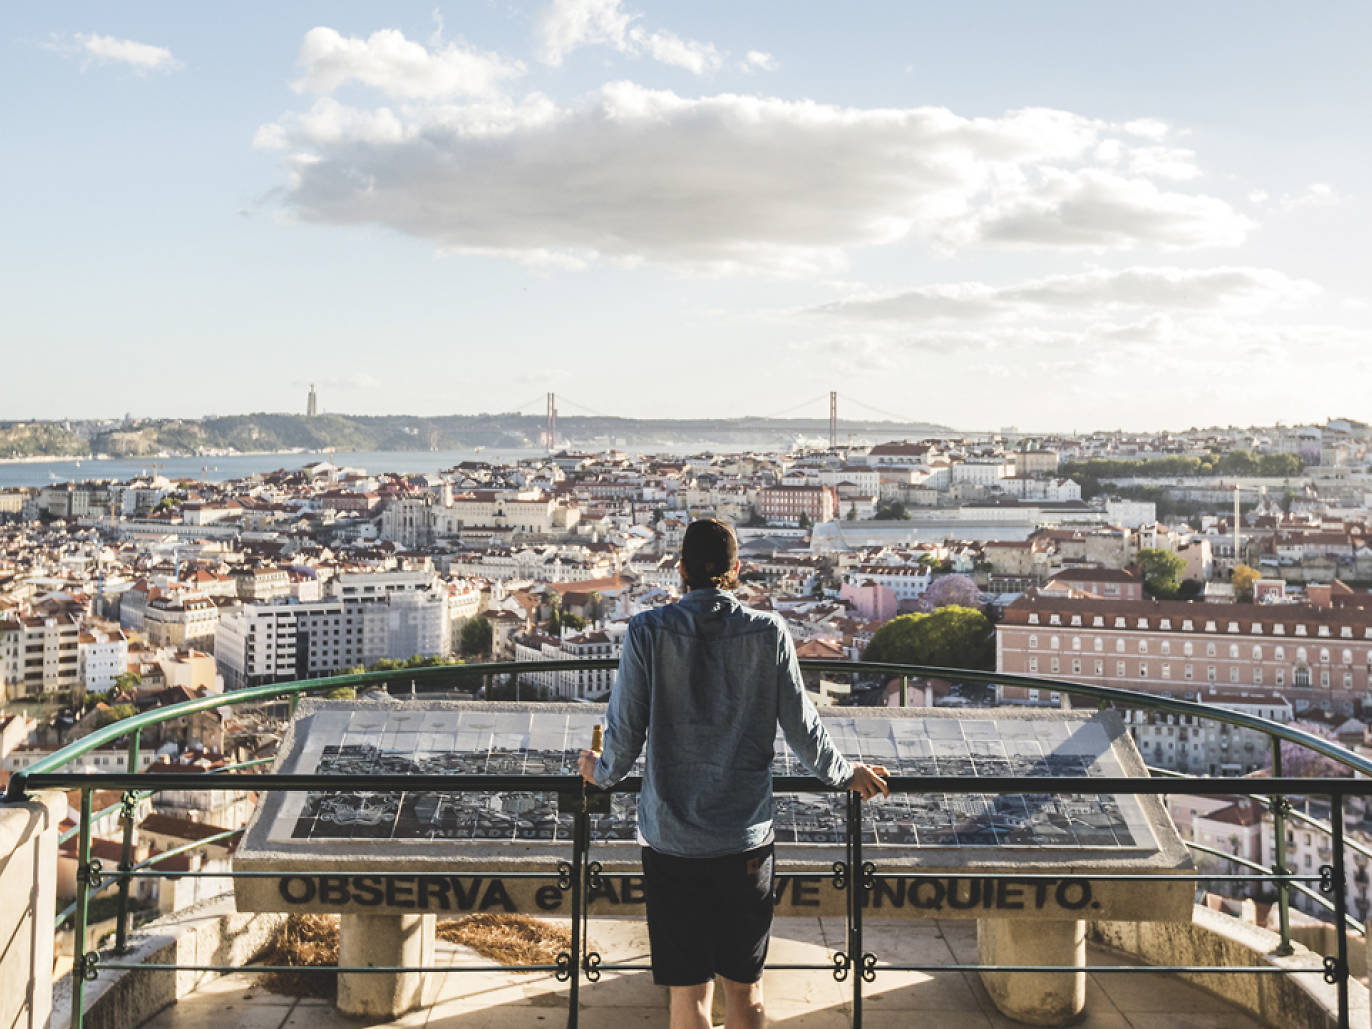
x=809, y=413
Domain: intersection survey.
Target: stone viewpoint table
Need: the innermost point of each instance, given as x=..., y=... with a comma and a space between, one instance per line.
x=1031, y=856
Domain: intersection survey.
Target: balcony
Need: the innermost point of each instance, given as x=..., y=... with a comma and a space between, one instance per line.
x=841, y=967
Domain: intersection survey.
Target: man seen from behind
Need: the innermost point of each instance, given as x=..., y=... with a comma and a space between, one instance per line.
x=702, y=686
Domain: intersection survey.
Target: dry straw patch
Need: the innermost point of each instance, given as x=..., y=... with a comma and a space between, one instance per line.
x=307, y=941
x=310, y=942
x=509, y=939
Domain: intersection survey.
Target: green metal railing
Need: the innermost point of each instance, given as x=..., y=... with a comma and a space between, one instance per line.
x=581, y=874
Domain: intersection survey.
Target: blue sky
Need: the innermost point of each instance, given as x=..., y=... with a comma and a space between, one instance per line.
x=1048, y=215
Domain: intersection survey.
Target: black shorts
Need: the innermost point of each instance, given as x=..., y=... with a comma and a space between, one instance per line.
x=709, y=915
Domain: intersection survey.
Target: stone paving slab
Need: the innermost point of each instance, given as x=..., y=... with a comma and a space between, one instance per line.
x=795, y=1000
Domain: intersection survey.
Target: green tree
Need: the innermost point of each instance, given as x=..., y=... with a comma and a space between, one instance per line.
x=1237, y=462
x=126, y=681
x=114, y=713
x=1283, y=465
x=574, y=622
x=804, y=520
x=951, y=637
x=476, y=638
x=1242, y=580
x=340, y=693
x=852, y=513
x=1161, y=572
x=891, y=510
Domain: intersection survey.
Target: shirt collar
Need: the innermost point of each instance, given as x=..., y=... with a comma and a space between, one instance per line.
x=709, y=599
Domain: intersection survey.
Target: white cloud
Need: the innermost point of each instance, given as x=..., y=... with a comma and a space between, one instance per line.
x=92, y=48
x=1258, y=197
x=759, y=60
x=1148, y=128
x=1162, y=162
x=400, y=67
x=698, y=58
x=1095, y=209
x=1317, y=194
x=567, y=25
x=723, y=182
x=1089, y=293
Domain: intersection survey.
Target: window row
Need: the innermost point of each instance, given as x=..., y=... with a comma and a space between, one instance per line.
x=1299, y=676
x=1302, y=654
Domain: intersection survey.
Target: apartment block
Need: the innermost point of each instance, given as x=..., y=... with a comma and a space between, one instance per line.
x=787, y=504
x=181, y=619
x=39, y=655
x=1312, y=656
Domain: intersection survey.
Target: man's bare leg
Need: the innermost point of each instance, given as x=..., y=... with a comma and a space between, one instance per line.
x=691, y=1006
x=743, y=1005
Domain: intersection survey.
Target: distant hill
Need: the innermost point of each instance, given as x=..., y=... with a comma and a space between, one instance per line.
x=264, y=431
x=31, y=439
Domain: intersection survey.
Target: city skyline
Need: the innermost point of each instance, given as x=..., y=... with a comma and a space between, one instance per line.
x=1060, y=218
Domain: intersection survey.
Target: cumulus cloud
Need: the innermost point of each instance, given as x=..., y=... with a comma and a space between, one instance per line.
x=567, y=25
x=1161, y=162
x=760, y=60
x=1317, y=194
x=723, y=182
x=1153, y=288
x=92, y=48
x=399, y=67
x=1094, y=209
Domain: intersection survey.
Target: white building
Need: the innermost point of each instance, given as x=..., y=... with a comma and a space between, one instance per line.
x=1181, y=743
x=987, y=472
x=1132, y=514
x=907, y=582
x=101, y=657
x=571, y=684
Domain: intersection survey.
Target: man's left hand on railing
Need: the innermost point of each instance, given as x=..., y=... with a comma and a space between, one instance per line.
x=586, y=765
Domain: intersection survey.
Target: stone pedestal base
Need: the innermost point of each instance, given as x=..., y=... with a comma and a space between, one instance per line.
x=383, y=940
x=1039, y=998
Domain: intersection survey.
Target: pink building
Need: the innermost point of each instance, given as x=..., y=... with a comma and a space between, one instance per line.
x=872, y=602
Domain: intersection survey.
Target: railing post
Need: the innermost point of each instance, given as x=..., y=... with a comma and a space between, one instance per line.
x=1279, y=808
x=857, y=879
x=126, y=816
x=1338, y=973
x=83, y=964
x=581, y=832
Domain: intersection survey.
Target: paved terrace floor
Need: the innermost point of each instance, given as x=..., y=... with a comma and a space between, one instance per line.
x=796, y=1000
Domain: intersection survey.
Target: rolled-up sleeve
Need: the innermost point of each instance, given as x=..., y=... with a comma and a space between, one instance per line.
x=626, y=720
x=800, y=722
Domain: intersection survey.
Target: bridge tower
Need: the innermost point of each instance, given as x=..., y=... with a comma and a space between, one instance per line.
x=833, y=419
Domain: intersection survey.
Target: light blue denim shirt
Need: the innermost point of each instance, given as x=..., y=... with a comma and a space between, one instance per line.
x=704, y=684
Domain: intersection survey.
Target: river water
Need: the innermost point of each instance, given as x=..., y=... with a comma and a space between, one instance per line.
x=220, y=469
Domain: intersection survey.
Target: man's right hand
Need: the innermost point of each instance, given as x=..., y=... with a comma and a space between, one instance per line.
x=869, y=780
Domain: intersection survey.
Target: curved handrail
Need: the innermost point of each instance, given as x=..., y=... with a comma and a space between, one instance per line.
x=274, y=691
x=154, y=859
x=1324, y=902
x=139, y=795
